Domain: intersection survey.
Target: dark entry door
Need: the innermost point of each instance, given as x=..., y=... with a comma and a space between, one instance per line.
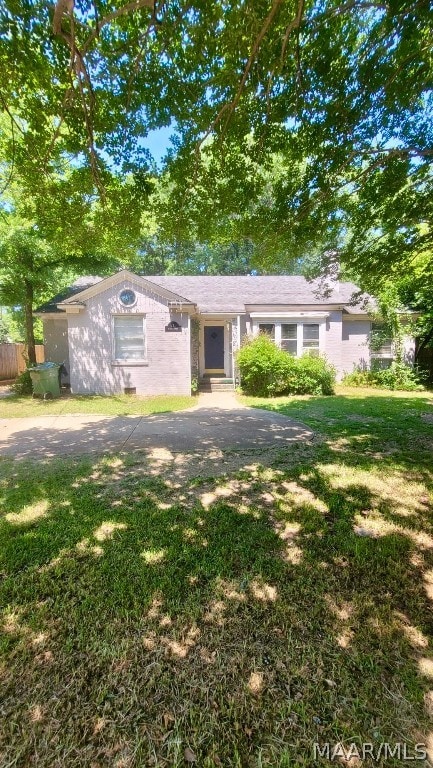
x=214, y=348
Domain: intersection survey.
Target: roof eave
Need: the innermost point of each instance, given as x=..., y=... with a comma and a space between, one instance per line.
x=49, y=314
x=72, y=309
x=182, y=306
x=297, y=307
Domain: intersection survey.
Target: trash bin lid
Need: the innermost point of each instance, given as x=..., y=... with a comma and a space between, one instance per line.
x=44, y=366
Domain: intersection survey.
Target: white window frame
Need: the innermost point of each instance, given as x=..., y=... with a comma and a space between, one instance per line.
x=299, y=322
x=301, y=340
x=386, y=351
x=133, y=360
x=280, y=334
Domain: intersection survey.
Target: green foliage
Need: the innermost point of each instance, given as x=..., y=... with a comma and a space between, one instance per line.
x=398, y=376
x=360, y=378
x=267, y=371
x=23, y=384
x=158, y=256
x=4, y=331
x=303, y=127
x=263, y=367
x=53, y=228
x=336, y=157
x=310, y=375
x=12, y=321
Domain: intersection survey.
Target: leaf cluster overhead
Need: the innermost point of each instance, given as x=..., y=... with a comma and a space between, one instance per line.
x=297, y=122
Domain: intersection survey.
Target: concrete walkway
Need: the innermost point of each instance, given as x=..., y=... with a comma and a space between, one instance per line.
x=218, y=421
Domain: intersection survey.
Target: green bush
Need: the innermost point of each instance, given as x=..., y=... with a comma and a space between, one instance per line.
x=311, y=375
x=23, y=384
x=263, y=366
x=397, y=376
x=267, y=371
x=360, y=378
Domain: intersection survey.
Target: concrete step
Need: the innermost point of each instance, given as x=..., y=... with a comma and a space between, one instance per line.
x=216, y=384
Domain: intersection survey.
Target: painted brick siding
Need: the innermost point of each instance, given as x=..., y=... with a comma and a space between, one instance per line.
x=333, y=340
x=56, y=341
x=355, y=349
x=167, y=369
x=243, y=326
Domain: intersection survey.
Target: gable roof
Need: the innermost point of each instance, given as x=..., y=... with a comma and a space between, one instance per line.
x=84, y=288
x=219, y=293
x=232, y=293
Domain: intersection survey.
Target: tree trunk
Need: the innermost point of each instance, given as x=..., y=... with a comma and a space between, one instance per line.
x=30, y=334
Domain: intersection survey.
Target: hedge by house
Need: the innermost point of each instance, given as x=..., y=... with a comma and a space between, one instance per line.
x=397, y=376
x=266, y=370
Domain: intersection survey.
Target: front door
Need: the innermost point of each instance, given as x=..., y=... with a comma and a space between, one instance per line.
x=214, y=348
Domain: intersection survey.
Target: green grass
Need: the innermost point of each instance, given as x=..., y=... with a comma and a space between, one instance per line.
x=244, y=616
x=365, y=417
x=114, y=405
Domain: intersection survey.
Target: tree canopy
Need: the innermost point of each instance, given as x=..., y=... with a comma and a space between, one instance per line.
x=55, y=229
x=300, y=126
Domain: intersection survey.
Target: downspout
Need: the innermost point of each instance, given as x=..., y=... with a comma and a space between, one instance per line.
x=189, y=355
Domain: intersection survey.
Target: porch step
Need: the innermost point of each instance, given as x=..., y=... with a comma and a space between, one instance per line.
x=216, y=384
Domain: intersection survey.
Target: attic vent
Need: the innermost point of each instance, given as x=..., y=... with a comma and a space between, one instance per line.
x=130, y=390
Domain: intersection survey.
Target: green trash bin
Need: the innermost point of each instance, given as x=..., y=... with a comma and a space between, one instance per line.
x=45, y=380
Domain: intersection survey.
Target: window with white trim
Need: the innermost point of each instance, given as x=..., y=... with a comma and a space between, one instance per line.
x=381, y=343
x=310, y=337
x=129, y=341
x=289, y=337
x=268, y=328
x=296, y=338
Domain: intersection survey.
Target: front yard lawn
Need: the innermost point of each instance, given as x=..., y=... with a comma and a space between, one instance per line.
x=152, y=616
x=114, y=405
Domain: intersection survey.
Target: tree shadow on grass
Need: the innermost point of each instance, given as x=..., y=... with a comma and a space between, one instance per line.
x=370, y=428
x=243, y=617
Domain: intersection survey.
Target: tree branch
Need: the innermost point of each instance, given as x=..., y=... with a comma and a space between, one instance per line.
x=403, y=152
x=12, y=162
x=353, y=5
x=134, y=5
x=293, y=25
x=231, y=105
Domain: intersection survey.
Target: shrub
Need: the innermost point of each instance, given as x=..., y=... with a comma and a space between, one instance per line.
x=397, y=376
x=263, y=366
x=311, y=375
x=359, y=378
x=23, y=384
x=267, y=371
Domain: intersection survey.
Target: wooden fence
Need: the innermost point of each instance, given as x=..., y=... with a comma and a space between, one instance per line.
x=13, y=361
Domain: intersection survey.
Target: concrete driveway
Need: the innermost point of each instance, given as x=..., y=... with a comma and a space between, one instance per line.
x=217, y=422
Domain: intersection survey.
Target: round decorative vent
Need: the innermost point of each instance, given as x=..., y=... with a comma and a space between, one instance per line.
x=127, y=297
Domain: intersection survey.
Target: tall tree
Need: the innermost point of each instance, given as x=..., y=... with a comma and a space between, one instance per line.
x=341, y=92
x=59, y=227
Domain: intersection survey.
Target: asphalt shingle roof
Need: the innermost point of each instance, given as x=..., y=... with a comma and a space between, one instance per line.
x=232, y=293
x=214, y=294
x=79, y=285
